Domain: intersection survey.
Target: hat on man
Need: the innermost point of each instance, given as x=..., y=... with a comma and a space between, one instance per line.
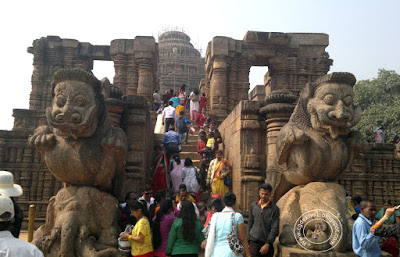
x=7, y=186
x=6, y=208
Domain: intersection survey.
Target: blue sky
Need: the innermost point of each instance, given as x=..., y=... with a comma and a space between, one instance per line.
x=364, y=35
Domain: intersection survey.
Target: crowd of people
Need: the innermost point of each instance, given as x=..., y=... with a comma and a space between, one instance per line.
x=173, y=105
x=170, y=226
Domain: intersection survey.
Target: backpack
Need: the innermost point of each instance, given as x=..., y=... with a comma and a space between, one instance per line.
x=181, y=124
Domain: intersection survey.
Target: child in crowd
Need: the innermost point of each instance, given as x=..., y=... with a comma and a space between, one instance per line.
x=210, y=141
x=181, y=125
x=209, y=146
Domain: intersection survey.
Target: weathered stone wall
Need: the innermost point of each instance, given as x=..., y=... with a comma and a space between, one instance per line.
x=244, y=145
x=374, y=175
x=258, y=93
x=293, y=59
x=29, y=170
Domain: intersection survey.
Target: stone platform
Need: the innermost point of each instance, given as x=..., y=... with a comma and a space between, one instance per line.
x=293, y=251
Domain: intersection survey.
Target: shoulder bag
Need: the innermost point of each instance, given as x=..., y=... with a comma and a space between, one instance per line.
x=233, y=241
x=198, y=175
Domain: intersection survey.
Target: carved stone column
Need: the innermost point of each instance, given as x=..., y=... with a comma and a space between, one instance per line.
x=120, y=61
x=145, y=83
x=132, y=76
x=278, y=109
x=115, y=106
x=243, y=77
x=208, y=93
x=218, y=88
x=233, y=86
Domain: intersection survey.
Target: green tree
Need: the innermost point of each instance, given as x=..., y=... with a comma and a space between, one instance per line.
x=379, y=100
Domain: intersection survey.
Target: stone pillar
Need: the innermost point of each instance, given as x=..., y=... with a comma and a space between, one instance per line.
x=233, y=87
x=243, y=82
x=145, y=83
x=218, y=93
x=139, y=134
x=132, y=76
x=208, y=93
x=120, y=61
x=115, y=106
x=278, y=109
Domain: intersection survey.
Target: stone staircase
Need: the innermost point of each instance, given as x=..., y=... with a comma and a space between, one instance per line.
x=188, y=150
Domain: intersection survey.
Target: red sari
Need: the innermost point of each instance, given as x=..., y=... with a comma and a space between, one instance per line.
x=160, y=177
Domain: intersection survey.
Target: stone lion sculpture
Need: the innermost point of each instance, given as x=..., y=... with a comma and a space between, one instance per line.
x=317, y=143
x=81, y=148
x=314, y=148
x=80, y=145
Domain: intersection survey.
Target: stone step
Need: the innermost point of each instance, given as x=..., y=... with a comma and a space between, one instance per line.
x=189, y=147
x=191, y=137
x=191, y=155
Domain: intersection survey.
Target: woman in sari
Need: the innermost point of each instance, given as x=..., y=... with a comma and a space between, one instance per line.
x=160, y=171
x=219, y=170
x=386, y=204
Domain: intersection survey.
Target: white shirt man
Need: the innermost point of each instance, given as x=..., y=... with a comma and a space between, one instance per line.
x=9, y=245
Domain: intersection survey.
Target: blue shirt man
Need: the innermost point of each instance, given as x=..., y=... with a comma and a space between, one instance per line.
x=171, y=137
x=172, y=142
x=365, y=244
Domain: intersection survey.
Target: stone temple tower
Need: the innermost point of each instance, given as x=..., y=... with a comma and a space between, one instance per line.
x=179, y=62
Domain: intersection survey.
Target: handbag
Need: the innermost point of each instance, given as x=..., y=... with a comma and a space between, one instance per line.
x=198, y=175
x=227, y=181
x=233, y=241
x=124, y=246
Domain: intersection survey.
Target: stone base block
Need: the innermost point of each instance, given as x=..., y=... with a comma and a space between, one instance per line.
x=293, y=251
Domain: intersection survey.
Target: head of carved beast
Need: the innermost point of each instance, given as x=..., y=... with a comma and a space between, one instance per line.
x=78, y=105
x=331, y=105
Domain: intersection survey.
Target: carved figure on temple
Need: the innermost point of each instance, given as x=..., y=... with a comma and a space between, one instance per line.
x=317, y=143
x=83, y=149
x=80, y=145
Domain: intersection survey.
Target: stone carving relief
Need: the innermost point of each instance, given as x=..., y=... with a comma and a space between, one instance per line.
x=83, y=149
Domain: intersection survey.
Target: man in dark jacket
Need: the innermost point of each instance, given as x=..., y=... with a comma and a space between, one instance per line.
x=263, y=224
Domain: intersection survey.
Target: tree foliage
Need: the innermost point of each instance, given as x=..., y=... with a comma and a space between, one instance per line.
x=379, y=100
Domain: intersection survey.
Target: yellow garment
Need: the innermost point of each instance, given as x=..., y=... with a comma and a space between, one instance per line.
x=211, y=142
x=180, y=108
x=350, y=208
x=189, y=198
x=213, y=167
x=218, y=186
x=142, y=226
